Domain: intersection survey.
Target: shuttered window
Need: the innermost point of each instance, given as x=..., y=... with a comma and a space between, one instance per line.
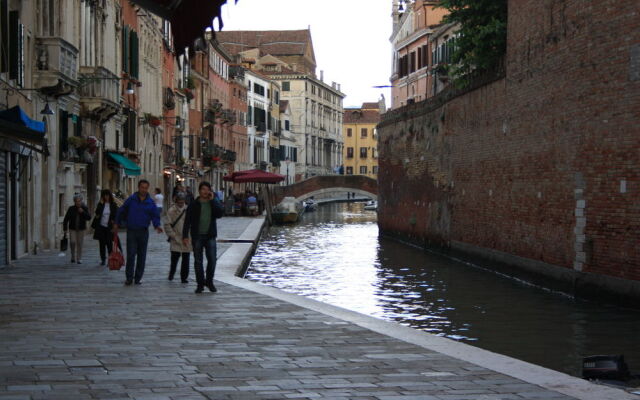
x=4, y=34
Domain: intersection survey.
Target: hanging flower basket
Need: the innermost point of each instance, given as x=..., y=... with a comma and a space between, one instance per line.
x=154, y=121
x=77, y=142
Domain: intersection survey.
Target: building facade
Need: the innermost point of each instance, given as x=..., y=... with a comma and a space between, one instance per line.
x=412, y=76
x=287, y=58
x=361, y=140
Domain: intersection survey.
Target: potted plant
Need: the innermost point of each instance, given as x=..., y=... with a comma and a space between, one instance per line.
x=77, y=142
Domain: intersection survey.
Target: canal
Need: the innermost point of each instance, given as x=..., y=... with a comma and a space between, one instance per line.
x=334, y=255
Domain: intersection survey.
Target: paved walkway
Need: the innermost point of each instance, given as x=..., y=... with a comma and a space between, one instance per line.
x=75, y=332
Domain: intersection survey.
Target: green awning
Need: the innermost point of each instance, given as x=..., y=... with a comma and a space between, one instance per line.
x=130, y=168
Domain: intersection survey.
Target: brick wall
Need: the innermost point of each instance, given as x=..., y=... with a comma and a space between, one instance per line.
x=544, y=164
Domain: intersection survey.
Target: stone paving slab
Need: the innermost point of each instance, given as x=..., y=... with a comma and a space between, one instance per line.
x=75, y=332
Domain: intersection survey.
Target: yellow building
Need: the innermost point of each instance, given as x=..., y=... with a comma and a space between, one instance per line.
x=361, y=140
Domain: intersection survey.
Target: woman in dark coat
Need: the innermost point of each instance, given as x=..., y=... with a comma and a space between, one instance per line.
x=103, y=224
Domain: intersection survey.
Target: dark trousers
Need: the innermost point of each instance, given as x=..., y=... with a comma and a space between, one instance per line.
x=105, y=241
x=184, y=267
x=137, y=240
x=206, y=244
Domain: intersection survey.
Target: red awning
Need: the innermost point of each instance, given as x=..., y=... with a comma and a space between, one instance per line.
x=189, y=18
x=254, y=176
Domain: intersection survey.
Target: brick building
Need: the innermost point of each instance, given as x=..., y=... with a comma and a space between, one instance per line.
x=537, y=171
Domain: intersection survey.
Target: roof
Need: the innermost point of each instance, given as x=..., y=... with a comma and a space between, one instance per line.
x=370, y=106
x=277, y=43
x=360, y=116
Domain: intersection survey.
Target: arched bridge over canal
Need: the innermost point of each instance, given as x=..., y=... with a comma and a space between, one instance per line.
x=325, y=184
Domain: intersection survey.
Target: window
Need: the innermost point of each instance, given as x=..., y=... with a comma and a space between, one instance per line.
x=286, y=86
x=349, y=152
x=363, y=170
x=250, y=116
x=12, y=44
x=258, y=89
x=276, y=97
x=349, y=132
x=268, y=93
x=375, y=169
x=130, y=52
x=248, y=86
x=412, y=66
x=363, y=132
x=363, y=152
x=286, y=124
x=349, y=170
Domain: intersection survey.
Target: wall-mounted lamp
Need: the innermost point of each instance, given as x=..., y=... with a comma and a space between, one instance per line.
x=130, y=89
x=47, y=110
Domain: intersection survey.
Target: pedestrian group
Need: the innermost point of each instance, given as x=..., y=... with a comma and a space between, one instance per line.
x=190, y=225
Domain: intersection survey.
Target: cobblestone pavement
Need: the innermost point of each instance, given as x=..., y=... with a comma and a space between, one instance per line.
x=75, y=332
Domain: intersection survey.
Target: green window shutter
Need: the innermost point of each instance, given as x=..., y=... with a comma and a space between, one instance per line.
x=4, y=36
x=14, y=57
x=125, y=50
x=134, y=55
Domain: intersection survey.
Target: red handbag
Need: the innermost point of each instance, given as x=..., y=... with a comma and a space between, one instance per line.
x=116, y=259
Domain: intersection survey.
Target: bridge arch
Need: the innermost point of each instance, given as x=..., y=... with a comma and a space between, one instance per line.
x=318, y=185
x=342, y=190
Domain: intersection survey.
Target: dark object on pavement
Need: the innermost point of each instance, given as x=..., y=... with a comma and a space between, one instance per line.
x=610, y=367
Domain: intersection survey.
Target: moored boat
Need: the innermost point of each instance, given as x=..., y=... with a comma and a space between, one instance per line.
x=288, y=211
x=371, y=205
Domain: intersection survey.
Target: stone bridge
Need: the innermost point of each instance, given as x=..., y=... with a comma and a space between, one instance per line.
x=319, y=185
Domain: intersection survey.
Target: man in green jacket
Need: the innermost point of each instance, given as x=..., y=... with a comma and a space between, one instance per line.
x=200, y=224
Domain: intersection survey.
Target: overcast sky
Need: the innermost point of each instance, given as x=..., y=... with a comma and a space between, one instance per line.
x=350, y=38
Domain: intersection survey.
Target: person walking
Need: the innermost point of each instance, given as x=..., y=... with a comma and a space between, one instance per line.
x=158, y=198
x=137, y=212
x=200, y=224
x=102, y=224
x=173, y=227
x=75, y=222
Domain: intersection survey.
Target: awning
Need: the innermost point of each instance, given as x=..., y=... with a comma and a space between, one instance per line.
x=16, y=127
x=254, y=176
x=130, y=168
x=189, y=18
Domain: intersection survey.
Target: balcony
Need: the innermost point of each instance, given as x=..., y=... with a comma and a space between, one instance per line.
x=56, y=66
x=99, y=92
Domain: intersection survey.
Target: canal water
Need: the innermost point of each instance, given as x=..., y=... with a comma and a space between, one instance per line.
x=335, y=255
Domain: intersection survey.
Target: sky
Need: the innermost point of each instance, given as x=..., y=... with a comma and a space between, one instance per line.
x=350, y=38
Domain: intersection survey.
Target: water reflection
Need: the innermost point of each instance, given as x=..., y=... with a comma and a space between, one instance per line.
x=334, y=255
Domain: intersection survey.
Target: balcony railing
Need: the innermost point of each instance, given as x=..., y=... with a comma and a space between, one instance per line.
x=56, y=65
x=99, y=92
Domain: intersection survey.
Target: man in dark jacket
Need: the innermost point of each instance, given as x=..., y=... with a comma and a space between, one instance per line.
x=138, y=211
x=200, y=223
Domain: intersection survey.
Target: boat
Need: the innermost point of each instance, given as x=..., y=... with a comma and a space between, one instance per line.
x=288, y=211
x=310, y=205
x=371, y=205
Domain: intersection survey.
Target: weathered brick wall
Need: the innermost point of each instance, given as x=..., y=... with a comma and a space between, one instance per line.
x=544, y=164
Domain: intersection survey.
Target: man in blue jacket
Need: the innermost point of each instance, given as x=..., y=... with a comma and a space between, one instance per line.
x=200, y=223
x=137, y=212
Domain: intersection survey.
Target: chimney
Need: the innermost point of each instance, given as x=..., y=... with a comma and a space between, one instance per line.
x=339, y=90
x=322, y=75
x=333, y=85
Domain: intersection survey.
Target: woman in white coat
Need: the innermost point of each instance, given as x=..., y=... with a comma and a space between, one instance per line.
x=173, y=228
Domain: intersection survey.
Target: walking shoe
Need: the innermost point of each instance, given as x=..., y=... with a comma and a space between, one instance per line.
x=170, y=278
x=79, y=261
x=128, y=283
x=212, y=287
x=199, y=289
x=185, y=281
x=103, y=262
x=138, y=282
x=73, y=261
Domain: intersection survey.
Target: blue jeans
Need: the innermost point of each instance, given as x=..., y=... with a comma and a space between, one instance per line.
x=208, y=244
x=137, y=240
